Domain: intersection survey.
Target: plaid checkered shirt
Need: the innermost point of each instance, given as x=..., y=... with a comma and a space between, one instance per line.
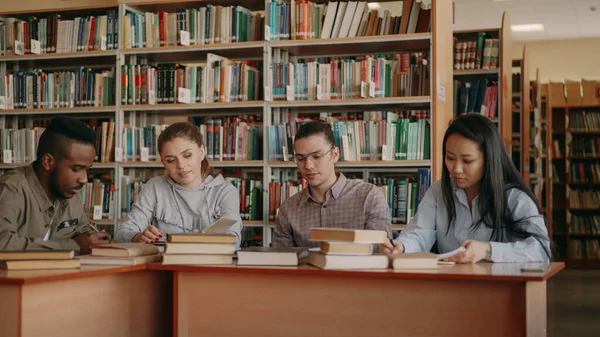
x=350, y=204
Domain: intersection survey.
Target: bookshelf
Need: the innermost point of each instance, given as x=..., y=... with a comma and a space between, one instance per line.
x=131, y=109
x=515, y=150
x=472, y=69
x=574, y=177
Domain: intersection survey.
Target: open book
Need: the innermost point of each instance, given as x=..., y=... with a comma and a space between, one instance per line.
x=220, y=226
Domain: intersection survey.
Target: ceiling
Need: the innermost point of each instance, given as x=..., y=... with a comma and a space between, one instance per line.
x=562, y=19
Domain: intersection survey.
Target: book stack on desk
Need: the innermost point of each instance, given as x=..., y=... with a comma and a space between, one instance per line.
x=272, y=256
x=199, y=248
x=347, y=249
x=122, y=254
x=21, y=260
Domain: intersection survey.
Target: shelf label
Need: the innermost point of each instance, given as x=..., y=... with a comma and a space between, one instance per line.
x=145, y=154
x=119, y=154
x=7, y=157
x=19, y=48
x=36, y=47
x=184, y=96
x=185, y=37
x=97, y=212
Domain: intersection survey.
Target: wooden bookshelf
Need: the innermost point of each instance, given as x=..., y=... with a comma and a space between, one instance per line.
x=501, y=74
x=356, y=45
x=525, y=140
x=570, y=240
x=252, y=50
x=439, y=102
x=94, y=110
x=364, y=163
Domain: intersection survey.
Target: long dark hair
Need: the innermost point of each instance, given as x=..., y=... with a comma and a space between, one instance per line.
x=499, y=175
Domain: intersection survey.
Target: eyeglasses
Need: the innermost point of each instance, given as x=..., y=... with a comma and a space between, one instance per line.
x=315, y=157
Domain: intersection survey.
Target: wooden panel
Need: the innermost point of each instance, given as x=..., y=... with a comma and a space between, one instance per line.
x=126, y=304
x=26, y=6
x=442, y=72
x=10, y=310
x=505, y=107
x=465, y=272
x=348, y=306
x=535, y=293
x=51, y=275
x=525, y=117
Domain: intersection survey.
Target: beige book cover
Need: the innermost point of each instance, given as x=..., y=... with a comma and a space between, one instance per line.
x=124, y=249
x=348, y=235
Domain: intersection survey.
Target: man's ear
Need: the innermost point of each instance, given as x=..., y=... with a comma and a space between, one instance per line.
x=48, y=162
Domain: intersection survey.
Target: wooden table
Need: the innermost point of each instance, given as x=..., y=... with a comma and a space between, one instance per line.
x=463, y=300
x=91, y=301
x=160, y=300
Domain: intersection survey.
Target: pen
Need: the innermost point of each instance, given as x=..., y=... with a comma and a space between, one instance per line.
x=91, y=224
x=393, y=245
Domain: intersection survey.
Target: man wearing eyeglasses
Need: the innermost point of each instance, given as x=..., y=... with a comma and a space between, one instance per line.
x=331, y=200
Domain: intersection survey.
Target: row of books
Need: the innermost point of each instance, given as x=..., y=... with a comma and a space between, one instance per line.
x=357, y=77
x=584, y=249
x=251, y=197
x=217, y=80
x=55, y=34
x=585, y=224
x=232, y=138
x=205, y=25
x=225, y=139
x=40, y=89
x=588, y=199
x=303, y=20
x=584, y=146
x=583, y=173
x=584, y=121
x=141, y=143
x=20, y=145
x=477, y=54
x=99, y=198
x=404, y=194
x=476, y=96
x=399, y=137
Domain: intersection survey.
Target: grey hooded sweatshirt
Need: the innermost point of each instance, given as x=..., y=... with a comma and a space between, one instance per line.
x=175, y=209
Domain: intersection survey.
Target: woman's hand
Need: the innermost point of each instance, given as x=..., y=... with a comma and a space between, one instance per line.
x=476, y=251
x=149, y=235
x=387, y=248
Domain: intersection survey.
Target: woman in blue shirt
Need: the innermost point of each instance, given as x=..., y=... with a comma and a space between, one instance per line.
x=481, y=203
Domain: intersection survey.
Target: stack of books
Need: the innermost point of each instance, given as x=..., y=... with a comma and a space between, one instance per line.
x=20, y=260
x=122, y=254
x=199, y=248
x=347, y=249
x=272, y=256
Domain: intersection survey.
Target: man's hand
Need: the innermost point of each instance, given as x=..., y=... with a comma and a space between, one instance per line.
x=86, y=240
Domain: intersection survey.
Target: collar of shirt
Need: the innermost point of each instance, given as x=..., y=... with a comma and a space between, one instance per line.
x=40, y=195
x=335, y=191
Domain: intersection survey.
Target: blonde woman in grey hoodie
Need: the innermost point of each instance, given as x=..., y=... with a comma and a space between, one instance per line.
x=186, y=198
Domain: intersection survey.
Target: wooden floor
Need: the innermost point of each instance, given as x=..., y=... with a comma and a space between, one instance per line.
x=574, y=303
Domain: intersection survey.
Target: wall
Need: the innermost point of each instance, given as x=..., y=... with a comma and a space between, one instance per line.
x=562, y=59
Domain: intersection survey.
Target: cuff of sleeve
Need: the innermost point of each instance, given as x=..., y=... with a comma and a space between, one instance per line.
x=129, y=236
x=69, y=244
x=500, y=251
x=408, y=248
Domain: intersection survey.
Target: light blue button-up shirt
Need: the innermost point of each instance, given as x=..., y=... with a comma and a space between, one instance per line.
x=431, y=222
